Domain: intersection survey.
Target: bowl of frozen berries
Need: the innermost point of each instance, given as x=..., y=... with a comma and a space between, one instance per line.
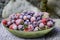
x=29, y=24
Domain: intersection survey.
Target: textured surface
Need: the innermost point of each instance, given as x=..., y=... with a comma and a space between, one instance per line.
x=54, y=35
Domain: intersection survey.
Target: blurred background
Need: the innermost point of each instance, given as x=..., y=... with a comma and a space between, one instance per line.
x=33, y=2
x=2, y=4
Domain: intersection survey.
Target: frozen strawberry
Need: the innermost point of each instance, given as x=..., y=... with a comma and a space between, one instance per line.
x=30, y=27
x=33, y=19
x=18, y=21
x=44, y=20
x=4, y=22
x=13, y=27
x=26, y=29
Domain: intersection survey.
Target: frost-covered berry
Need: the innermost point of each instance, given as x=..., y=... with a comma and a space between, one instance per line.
x=35, y=24
x=30, y=27
x=41, y=25
x=12, y=21
x=28, y=16
x=40, y=13
x=20, y=26
x=49, y=23
x=44, y=20
x=18, y=21
x=16, y=17
x=13, y=27
x=38, y=18
x=4, y=22
x=12, y=17
x=26, y=22
x=9, y=22
x=36, y=28
x=33, y=19
x=25, y=17
x=21, y=16
x=26, y=29
x=31, y=13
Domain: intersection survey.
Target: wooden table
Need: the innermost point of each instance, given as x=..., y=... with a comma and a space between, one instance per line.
x=53, y=35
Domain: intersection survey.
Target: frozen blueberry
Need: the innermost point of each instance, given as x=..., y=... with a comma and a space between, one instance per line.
x=28, y=16
x=41, y=25
x=12, y=21
x=21, y=17
x=26, y=22
x=38, y=18
x=8, y=23
x=20, y=27
x=49, y=23
x=33, y=19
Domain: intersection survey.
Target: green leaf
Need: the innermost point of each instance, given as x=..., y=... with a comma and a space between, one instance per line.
x=25, y=26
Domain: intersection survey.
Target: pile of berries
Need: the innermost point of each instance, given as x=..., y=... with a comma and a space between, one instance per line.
x=29, y=21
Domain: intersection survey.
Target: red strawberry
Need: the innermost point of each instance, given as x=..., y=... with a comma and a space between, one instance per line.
x=13, y=26
x=26, y=29
x=18, y=21
x=44, y=20
x=4, y=22
x=30, y=27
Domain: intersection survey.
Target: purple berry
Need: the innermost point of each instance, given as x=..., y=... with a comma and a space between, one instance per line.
x=21, y=17
x=12, y=21
x=33, y=19
x=28, y=16
x=26, y=22
x=49, y=23
x=20, y=26
x=40, y=13
x=41, y=25
x=38, y=18
x=35, y=24
x=8, y=23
